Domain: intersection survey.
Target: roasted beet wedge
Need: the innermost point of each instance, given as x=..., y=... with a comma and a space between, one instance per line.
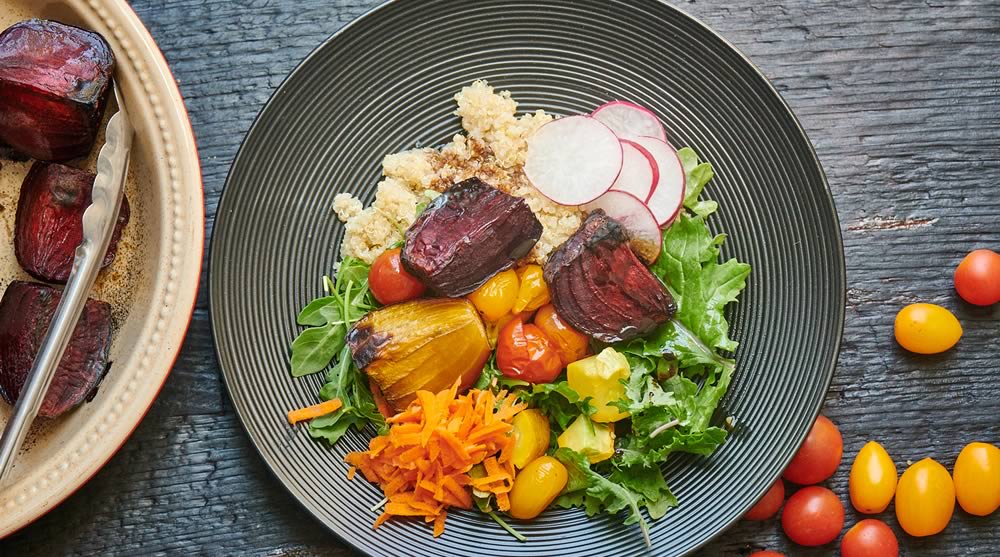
x=54, y=81
x=49, y=222
x=468, y=234
x=601, y=288
x=25, y=313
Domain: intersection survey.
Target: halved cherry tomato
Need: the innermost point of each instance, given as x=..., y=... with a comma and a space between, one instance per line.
x=926, y=328
x=572, y=344
x=495, y=298
x=873, y=479
x=769, y=503
x=389, y=281
x=977, y=278
x=869, y=538
x=525, y=353
x=812, y=516
x=977, y=478
x=925, y=498
x=819, y=455
x=533, y=293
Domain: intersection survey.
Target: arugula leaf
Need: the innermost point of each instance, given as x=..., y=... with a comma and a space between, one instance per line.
x=592, y=491
x=346, y=301
x=315, y=347
x=559, y=402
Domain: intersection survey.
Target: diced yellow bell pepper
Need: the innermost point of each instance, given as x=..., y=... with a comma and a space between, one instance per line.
x=592, y=440
x=598, y=377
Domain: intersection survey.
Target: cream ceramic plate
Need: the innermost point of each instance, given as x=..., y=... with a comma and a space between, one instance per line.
x=152, y=283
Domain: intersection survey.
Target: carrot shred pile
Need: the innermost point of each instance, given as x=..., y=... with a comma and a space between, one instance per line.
x=314, y=411
x=422, y=464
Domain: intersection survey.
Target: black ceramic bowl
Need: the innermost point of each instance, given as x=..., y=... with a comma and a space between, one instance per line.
x=385, y=83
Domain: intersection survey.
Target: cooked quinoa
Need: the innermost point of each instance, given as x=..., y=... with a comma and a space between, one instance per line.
x=493, y=149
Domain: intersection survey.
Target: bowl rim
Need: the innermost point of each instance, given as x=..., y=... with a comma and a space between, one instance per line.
x=829, y=371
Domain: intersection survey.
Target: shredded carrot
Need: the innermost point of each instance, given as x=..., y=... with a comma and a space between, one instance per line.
x=314, y=411
x=422, y=464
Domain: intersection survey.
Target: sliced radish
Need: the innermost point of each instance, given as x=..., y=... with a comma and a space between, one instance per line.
x=629, y=120
x=639, y=172
x=668, y=195
x=573, y=160
x=637, y=219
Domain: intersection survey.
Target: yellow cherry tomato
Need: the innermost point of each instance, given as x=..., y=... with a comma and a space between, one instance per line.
x=496, y=297
x=926, y=328
x=531, y=437
x=977, y=478
x=536, y=486
x=873, y=479
x=925, y=498
x=533, y=292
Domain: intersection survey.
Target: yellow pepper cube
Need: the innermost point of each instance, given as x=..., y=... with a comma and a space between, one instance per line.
x=599, y=377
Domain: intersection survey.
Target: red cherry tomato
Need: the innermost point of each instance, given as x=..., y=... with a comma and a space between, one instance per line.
x=525, y=353
x=869, y=538
x=812, y=516
x=769, y=503
x=766, y=553
x=977, y=278
x=819, y=455
x=389, y=281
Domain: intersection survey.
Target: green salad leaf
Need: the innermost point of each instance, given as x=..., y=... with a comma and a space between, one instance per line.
x=559, y=402
x=329, y=318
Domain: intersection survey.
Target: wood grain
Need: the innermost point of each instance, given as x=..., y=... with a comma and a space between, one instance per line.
x=900, y=98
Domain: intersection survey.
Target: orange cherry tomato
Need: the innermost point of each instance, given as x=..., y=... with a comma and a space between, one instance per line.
x=869, y=538
x=389, y=281
x=819, y=455
x=769, y=504
x=977, y=478
x=766, y=553
x=873, y=479
x=572, y=344
x=926, y=328
x=925, y=498
x=525, y=353
x=496, y=297
x=977, y=278
x=813, y=516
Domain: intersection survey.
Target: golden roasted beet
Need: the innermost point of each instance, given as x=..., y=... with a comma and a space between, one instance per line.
x=601, y=288
x=468, y=234
x=49, y=223
x=26, y=311
x=424, y=344
x=54, y=80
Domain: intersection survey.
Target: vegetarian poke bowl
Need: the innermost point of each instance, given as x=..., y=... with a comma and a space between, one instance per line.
x=467, y=246
x=531, y=315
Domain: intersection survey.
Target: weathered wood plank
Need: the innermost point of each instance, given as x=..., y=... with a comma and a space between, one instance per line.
x=900, y=98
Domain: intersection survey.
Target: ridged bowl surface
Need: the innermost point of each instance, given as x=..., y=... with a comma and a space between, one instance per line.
x=385, y=83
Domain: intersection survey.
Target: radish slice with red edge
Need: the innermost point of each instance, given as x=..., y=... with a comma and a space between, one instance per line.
x=630, y=212
x=629, y=120
x=573, y=160
x=668, y=195
x=639, y=171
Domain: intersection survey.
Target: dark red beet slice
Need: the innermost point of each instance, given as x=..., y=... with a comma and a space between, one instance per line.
x=49, y=223
x=54, y=81
x=26, y=311
x=601, y=288
x=468, y=234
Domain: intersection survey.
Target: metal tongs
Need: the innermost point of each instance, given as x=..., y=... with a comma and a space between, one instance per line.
x=98, y=223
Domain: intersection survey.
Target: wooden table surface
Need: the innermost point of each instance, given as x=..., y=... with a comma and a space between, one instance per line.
x=901, y=99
